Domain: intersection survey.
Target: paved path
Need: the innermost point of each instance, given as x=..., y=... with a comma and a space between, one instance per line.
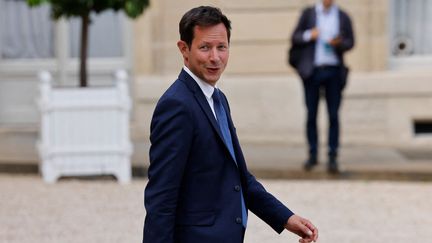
x=103, y=211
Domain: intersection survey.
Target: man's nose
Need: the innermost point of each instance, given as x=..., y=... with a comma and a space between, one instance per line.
x=214, y=54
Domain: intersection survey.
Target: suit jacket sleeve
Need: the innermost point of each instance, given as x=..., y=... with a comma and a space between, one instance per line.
x=259, y=201
x=301, y=27
x=171, y=136
x=266, y=206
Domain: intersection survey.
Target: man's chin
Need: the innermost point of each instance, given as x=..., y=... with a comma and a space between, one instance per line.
x=212, y=79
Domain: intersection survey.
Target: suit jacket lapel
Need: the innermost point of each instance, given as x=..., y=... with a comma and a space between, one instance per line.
x=311, y=18
x=202, y=101
x=236, y=145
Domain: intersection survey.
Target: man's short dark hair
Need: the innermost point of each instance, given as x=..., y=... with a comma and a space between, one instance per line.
x=203, y=16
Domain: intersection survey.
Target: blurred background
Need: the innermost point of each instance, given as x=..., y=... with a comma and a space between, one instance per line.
x=387, y=101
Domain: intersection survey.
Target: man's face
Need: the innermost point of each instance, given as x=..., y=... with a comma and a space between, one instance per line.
x=327, y=3
x=208, y=54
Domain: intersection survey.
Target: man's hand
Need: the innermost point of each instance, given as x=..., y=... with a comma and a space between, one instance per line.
x=314, y=33
x=303, y=228
x=335, y=41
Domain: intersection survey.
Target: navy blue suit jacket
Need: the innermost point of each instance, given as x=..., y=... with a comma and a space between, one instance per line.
x=305, y=63
x=193, y=193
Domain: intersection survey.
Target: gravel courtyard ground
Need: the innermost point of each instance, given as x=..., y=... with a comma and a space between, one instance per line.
x=103, y=211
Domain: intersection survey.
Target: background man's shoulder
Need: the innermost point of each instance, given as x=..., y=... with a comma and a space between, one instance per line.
x=308, y=9
x=344, y=13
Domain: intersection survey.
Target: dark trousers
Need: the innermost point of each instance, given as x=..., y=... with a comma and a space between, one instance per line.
x=329, y=80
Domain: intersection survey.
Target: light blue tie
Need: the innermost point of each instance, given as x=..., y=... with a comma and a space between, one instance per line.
x=223, y=125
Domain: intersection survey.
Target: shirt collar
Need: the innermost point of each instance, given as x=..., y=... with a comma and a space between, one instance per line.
x=206, y=88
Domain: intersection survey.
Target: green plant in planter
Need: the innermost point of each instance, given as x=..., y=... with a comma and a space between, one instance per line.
x=83, y=9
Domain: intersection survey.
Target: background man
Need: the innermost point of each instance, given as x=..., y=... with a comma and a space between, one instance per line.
x=321, y=37
x=199, y=188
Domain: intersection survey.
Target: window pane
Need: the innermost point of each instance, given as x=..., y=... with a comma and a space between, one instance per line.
x=105, y=35
x=25, y=32
x=412, y=33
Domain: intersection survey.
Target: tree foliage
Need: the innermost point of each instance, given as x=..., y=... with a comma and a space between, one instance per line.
x=77, y=8
x=83, y=9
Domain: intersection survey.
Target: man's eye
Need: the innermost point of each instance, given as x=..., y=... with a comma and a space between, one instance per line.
x=204, y=48
x=222, y=47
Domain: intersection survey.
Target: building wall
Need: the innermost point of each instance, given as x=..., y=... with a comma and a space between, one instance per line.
x=260, y=35
x=380, y=105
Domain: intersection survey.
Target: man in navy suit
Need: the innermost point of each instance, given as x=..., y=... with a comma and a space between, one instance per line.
x=323, y=34
x=199, y=188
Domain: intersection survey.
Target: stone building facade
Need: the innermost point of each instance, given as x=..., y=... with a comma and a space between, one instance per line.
x=387, y=99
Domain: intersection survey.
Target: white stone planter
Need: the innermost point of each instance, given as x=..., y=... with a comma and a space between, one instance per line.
x=85, y=131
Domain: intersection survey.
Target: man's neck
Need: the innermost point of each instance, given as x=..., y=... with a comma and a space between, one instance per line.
x=326, y=7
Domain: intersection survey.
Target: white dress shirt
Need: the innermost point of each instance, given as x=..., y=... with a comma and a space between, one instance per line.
x=327, y=22
x=328, y=25
x=206, y=88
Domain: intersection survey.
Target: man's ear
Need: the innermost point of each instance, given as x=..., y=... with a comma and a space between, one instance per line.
x=184, y=49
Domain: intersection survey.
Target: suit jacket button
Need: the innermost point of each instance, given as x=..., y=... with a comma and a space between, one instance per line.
x=237, y=188
x=238, y=220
